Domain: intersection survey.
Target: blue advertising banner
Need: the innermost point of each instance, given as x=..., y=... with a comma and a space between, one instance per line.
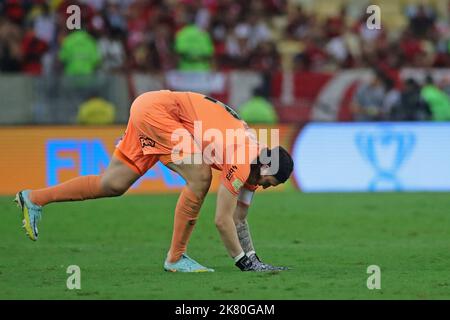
x=346, y=157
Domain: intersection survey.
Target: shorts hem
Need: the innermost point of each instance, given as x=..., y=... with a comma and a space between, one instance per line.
x=127, y=161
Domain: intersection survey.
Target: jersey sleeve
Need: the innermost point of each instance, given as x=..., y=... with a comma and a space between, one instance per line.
x=234, y=176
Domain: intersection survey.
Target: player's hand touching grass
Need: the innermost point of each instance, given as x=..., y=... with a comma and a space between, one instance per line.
x=245, y=238
x=266, y=267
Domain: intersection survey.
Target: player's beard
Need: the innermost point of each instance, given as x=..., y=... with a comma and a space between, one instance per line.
x=255, y=174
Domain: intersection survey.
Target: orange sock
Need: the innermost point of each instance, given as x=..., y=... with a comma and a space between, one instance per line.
x=80, y=188
x=186, y=214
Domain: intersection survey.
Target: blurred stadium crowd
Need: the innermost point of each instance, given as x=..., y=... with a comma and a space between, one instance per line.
x=259, y=35
x=148, y=35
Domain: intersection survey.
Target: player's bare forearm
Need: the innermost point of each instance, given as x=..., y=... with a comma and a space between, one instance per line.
x=229, y=237
x=245, y=238
x=242, y=227
x=226, y=205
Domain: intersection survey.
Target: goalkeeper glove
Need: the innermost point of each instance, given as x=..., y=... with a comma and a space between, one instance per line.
x=263, y=266
x=246, y=264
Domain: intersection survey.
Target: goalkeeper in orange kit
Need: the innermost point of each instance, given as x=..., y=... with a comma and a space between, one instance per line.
x=158, y=122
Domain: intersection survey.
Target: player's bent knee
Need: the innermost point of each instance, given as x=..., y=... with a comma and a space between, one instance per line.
x=113, y=188
x=201, y=183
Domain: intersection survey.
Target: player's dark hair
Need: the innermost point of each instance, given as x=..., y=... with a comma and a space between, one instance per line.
x=285, y=163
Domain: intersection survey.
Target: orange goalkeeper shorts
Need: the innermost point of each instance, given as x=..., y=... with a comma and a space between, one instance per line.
x=149, y=136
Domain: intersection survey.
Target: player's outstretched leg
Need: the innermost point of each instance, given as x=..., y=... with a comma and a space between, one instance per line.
x=116, y=179
x=198, y=181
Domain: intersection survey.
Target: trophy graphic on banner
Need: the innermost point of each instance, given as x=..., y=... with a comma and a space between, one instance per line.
x=386, y=151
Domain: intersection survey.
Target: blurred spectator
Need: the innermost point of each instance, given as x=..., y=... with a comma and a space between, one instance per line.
x=138, y=15
x=266, y=60
x=203, y=15
x=411, y=106
x=10, y=46
x=337, y=49
x=221, y=27
x=334, y=25
x=237, y=46
x=114, y=18
x=265, y=57
x=438, y=100
x=141, y=58
x=194, y=48
x=391, y=98
x=111, y=51
x=411, y=47
x=44, y=21
x=258, y=29
x=353, y=48
x=44, y=24
x=79, y=53
x=421, y=20
x=15, y=10
x=258, y=109
x=313, y=57
x=160, y=48
x=298, y=23
x=96, y=111
x=368, y=100
x=244, y=39
x=33, y=49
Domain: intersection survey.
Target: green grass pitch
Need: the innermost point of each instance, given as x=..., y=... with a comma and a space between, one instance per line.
x=329, y=240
